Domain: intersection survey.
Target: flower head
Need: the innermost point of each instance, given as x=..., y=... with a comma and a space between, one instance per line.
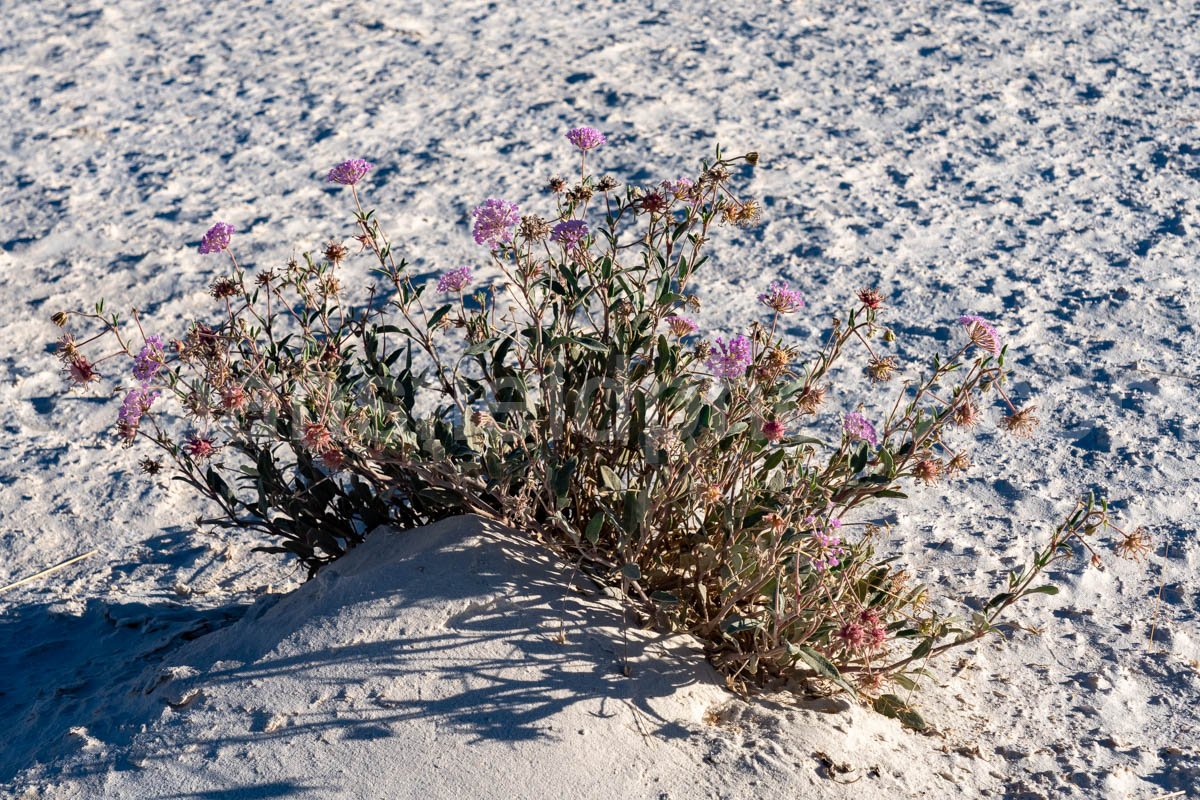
x=585, y=138
x=199, y=447
x=455, y=280
x=928, y=470
x=216, y=238
x=683, y=189
x=81, y=371
x=966, y=414
x=495, y=221
x=136, y=403
x=570, y=233
x=782, y=299
x=149, y=360
x=856, y=426
x=773, y=430
x=1022, y=423
x=870, y=298
x=730, y=359
x=982, y=333
x=880, y=369
x=681, y=326
x=349, y=172
x=317, y=437
x=827, y=541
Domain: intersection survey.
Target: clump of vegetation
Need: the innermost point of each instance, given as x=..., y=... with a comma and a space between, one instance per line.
x=720, y=481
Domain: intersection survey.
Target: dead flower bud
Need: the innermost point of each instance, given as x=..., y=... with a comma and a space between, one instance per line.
x=534, y=228
x=335, y=252
x=653, y=203
x=928, y=470
x=223, y=287
x=1022, y=423
x=59, y=318
x=150, y=466
x=1135, y=545
x=752, y=158
x=265, y=277
x=880, y=369
x=703, y=351
x=811, y=399
x=966, y=414
x=581, y=193
x=557, y=185
x=607, y=183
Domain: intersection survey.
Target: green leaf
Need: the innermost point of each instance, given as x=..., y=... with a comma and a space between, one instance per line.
x=859, y=460
x=736, y=625
x=437, y=316
x=821, y=665
x=889, y=705
x=631, y=571
x=594, y=526
x=1047, y=589
x=610, y=478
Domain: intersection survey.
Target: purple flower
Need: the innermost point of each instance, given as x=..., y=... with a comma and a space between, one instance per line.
x=729, y=360
x=570, y=233
x=495, y=221
x=982, y=333
x=349, y=172
x=779, y=297
x=682, y=189
x=149, y=361
x=681, y=326
x=828, y=543
x=136, y=403
x=455, y=280
x=585, y=138
x=857, y=426
x=216, y=239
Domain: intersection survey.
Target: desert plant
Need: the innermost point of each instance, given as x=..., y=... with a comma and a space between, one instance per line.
x=573, y=397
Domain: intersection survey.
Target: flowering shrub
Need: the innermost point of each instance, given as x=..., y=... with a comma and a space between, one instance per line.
x=564, y=390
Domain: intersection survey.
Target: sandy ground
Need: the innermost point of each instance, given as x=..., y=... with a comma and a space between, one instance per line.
x=1037, y=163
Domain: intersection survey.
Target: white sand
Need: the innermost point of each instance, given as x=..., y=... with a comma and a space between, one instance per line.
x=1035, y=163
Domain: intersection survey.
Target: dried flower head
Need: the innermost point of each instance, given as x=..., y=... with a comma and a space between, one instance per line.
x=66, y=350
x=580, y=193
x=557, y=185
x=730, y=359
x=585, y=138
x=743, y=214
x=570, y=233
x=335, y=252
x=223, y=287
x=870, y=298
x=773, y=364
x=966, y=414
x=702, y=351
x=495, y=221
x=810, y=399
x=200, y=446
x=653, y=203
x=534, y=228
x=715, y=174
x=234, y=398
x=216, y=238
x=683, y=189
x=961, y=462
x=856, y=426
x=81, y=371
x=782, y=299
x=316, y=437
x=681, y=326
x=607, y=184
x=881, y=370
x=349, y=172
x=982, y=334
x=1135, y=545
x=1022, y=423
x=928, y=470
x=752, y=158
x=150, y=466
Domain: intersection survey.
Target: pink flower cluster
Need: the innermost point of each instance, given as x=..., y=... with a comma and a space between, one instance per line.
x=866, y=633
x=349, y=172
x=495, y=221
x=149, y=360
x=829, y=551
x=730, y=360
x=216, y=238
x=455, y=280
x=681, y=326
x=585, y=138
x=782, y=299
x=982, y=333
x=857, y=426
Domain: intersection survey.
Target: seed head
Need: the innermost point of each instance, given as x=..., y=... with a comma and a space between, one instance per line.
x=581, y=193
x=150, y=466
x=1022, y=423
x=317, y=437
x=653, y=203
x=607, y=184
x=982, y=334
x=223, y=287
x=200, y=447
x=1135, y=545
x=810, y=399
x=880, y=369
x=534, y=228
x=773, y=430
x=966, y=414
x=67, y=350
x=961, y=462
x=928, y=470
x=557, y=185
x=335, y=252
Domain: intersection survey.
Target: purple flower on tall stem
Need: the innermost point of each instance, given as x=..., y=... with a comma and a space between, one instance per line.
x=857, y=426
x=982, y=333
x=782, y=299
x=729, y=360
x=495, y=221
x=455, y=280
x=570, y=234
x=216, y=239
x=349, y=172
x=136, y=403
x=149, y=361
x=585, y=138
